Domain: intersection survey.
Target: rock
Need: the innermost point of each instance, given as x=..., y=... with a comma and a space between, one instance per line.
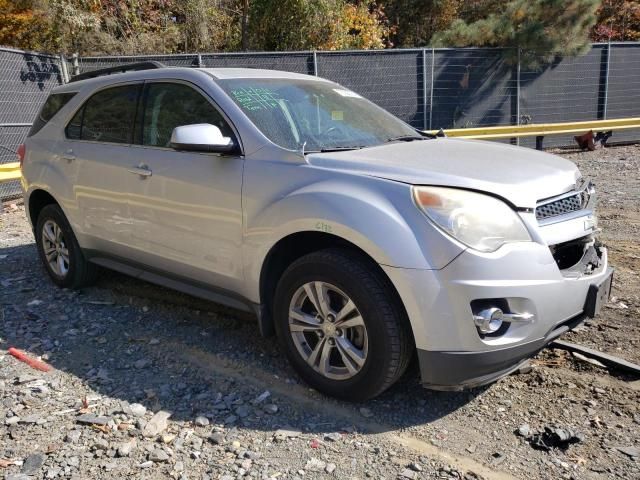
x=178, y=467
x=32, y=463
x=285, y=433
x=158, y=455
x=125, y=449
x=158, y=423
x=136, y=410
x=30, y=419
x=407, y=473
x=262, y=397
x=365, y=412
x=143, y=363
x=330, y=468
x=524, y=430
x=54, y=472
x=201, y=421
x=416, y=467
x=333, y=437
x=147, y=464
x=12, y=420
x=270, y=408
x=243, y=411
x=217, y=438
x=91, y=419
x=315, y=465
x=101, y=444
x=17, y=476
x=73, y=436
x=633, y=452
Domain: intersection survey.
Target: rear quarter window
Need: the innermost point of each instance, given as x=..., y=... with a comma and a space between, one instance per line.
x=54, y=103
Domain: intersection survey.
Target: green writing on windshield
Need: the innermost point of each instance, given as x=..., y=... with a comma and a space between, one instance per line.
x=251, y=99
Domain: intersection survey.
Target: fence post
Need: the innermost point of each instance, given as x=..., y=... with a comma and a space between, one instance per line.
x=315, y=63
x=63, y=67
x=76, y=65
x=200, y=64
x=433, y=63
x=518, y=94
x=606, y=79
x=424, y=89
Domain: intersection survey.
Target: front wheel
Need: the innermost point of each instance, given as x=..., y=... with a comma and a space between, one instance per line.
x=341, y=326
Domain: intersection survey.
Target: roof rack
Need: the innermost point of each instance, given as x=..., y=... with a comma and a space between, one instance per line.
x=129, y=67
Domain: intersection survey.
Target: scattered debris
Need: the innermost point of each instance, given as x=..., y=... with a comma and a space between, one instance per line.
x=555, y=437
x=158, y=423
x=633, y=452
x=32, y=362
x=604, y=358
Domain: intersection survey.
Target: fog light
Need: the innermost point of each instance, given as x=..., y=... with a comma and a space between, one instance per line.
x=489, y=320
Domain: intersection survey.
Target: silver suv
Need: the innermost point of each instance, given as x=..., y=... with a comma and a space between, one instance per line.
x=358, y=240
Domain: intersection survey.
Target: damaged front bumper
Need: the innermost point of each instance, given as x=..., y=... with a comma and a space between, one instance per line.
x=526, y=277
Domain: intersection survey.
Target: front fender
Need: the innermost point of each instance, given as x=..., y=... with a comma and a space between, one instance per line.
x=375, y=215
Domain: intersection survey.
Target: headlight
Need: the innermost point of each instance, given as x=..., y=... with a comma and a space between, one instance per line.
x=479, y=221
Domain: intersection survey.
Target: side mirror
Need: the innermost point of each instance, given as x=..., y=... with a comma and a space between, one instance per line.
x=201, y=137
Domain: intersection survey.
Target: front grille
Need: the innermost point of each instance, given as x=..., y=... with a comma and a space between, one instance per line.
x=564, y=205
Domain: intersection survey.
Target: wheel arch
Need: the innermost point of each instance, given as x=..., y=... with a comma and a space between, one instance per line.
x=295, y=245
x=37, y=200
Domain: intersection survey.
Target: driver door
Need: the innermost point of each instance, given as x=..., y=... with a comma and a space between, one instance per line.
x=186, y=206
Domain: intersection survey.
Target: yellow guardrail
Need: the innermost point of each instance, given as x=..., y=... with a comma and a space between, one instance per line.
x=9, y=171
x=541, y=129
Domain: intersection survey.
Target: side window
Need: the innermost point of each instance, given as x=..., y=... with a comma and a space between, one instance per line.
x=170, y=105
x=52, y=106
x=108, y=116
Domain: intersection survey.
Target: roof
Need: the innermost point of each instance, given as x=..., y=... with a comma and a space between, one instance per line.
x=228, y=73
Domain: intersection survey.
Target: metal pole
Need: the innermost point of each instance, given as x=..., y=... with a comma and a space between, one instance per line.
x=433, y=62
x=76, y=65
x=63, y=67
x=315, y=63
x=424, y=89
x=606, y=80
x=200, y=64
x=518, y=94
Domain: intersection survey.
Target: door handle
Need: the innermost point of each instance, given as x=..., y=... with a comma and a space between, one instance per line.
x=142, y=170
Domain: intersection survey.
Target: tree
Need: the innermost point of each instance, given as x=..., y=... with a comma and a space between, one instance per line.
x=414, y=22
x=24, y=24
x=542, y=29
x=359, y=26
x=618, y=20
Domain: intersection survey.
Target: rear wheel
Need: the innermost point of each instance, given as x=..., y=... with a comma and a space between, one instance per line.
x=59, y=250
x=341, y=326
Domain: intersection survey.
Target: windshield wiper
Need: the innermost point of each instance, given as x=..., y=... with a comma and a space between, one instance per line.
x=405, y=138
x=341, y=149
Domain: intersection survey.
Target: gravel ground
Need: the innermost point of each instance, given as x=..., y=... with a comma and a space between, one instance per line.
x=124, y=352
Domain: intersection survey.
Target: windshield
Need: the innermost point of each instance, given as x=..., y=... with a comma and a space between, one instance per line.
x=317, y=115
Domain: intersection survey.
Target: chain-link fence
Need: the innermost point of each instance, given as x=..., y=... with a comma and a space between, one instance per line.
x=25, y=81
x=428, y=88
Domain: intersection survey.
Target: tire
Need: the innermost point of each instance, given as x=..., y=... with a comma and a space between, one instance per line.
x=73, y=271
x=380, y=343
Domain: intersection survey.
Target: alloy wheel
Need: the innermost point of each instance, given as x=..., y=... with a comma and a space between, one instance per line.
x=328, y=330
x=55, y=248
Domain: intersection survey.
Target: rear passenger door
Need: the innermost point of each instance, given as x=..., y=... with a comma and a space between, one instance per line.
x=186, y=215
x=98, y=141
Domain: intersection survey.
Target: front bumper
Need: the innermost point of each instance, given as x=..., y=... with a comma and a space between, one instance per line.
x=462, y=370
x=451, y=353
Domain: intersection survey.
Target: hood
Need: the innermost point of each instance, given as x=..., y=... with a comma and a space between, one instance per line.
x=521, y=176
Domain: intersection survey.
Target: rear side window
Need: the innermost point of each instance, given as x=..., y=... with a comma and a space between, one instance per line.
x=52, y=106
x=108, y=116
